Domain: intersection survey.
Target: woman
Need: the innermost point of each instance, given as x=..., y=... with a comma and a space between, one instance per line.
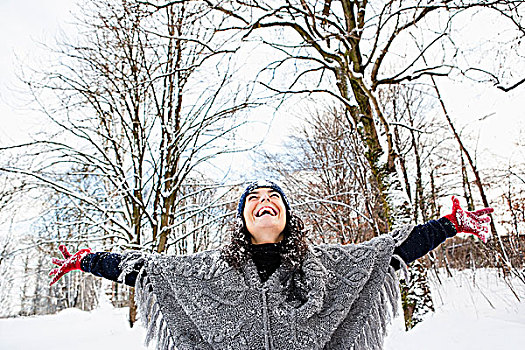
x=268, y=289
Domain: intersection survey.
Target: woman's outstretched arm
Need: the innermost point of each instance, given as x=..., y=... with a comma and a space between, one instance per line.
x=107, y=265
x=100, y=264
x=424, y=238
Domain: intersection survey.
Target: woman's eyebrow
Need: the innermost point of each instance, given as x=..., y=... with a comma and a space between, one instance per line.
x=257, y=191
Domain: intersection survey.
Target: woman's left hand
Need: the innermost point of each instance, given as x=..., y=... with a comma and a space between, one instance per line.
x=475, y=222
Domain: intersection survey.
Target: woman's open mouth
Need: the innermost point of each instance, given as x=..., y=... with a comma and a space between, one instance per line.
x=266, y=211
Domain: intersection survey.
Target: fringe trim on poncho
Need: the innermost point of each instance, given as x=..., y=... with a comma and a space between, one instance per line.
x=386, y=305
x=151, y=316
x=148, y=305
x=383, y=309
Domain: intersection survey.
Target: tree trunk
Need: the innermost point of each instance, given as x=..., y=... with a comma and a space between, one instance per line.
x=132, y=307
x=363, y=118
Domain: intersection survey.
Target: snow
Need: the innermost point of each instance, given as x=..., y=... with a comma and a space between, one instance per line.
x=473, y=311
x=103, y=328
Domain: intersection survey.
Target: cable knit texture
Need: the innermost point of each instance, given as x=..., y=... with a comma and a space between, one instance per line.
x=342, y=298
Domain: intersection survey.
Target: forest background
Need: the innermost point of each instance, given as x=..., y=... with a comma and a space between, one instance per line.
x=136, y=124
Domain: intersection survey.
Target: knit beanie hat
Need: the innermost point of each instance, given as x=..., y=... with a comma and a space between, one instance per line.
x=261, y=184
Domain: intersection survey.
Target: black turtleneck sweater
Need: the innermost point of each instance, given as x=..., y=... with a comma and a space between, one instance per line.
x=267, y=257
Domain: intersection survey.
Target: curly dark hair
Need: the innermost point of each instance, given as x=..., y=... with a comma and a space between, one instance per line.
x=294, y=245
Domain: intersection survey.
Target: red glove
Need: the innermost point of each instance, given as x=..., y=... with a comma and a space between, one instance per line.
x=470, y=221
x=71, y=262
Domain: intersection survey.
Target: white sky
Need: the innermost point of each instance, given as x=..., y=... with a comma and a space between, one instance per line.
x=25, y=23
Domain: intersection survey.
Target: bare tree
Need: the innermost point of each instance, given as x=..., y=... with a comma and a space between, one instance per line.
x=7, y=275
x=327, y=176
x=13, y=197
x=421, y=143
x=136, y=111
x=349, y=49
x=139, y=105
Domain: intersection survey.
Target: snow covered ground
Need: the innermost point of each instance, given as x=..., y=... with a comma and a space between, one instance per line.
x=472, y=312
x=104, y=328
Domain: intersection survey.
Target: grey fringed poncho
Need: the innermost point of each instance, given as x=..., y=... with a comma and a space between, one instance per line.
x=347, y=295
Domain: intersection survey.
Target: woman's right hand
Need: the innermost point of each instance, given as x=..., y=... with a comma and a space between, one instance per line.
x=69, y=263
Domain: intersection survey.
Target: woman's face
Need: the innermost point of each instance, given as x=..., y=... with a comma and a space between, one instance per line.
x=265, y=215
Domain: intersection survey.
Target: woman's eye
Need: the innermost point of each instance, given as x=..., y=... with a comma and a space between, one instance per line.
x=252, y=198
x=275, y=195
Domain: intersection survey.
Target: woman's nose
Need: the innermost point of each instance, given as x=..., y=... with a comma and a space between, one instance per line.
x=265, y=197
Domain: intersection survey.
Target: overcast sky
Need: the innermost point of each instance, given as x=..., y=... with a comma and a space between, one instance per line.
x=25, y=23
